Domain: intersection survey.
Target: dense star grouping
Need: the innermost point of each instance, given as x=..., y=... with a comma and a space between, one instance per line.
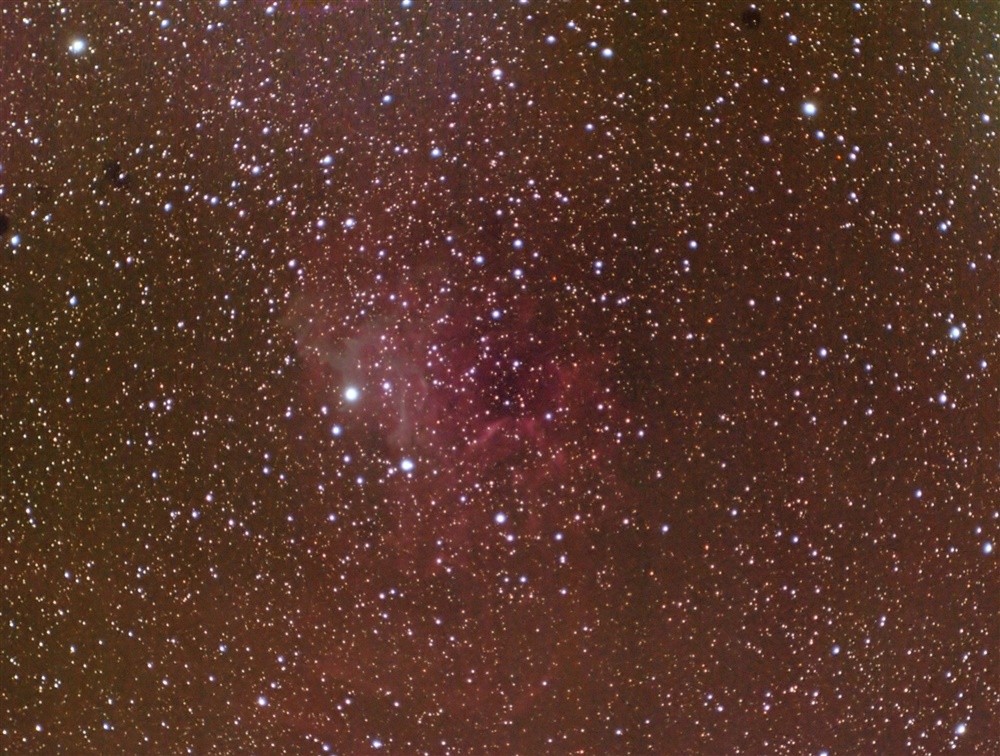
x=422, y=377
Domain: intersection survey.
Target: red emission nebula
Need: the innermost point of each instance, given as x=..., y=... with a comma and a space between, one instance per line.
x=486, y=426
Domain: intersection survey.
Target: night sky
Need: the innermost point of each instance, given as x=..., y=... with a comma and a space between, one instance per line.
x=467, y=377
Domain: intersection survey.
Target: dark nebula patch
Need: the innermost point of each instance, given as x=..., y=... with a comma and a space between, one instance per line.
x=751, y=17
x=115, y=175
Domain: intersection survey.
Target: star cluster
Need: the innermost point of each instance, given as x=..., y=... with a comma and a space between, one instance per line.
x=508, y=377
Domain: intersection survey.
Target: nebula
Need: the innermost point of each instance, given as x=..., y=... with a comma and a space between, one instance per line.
x=489, y=430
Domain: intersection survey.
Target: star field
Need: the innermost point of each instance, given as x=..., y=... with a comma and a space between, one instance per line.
x=500, y=377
